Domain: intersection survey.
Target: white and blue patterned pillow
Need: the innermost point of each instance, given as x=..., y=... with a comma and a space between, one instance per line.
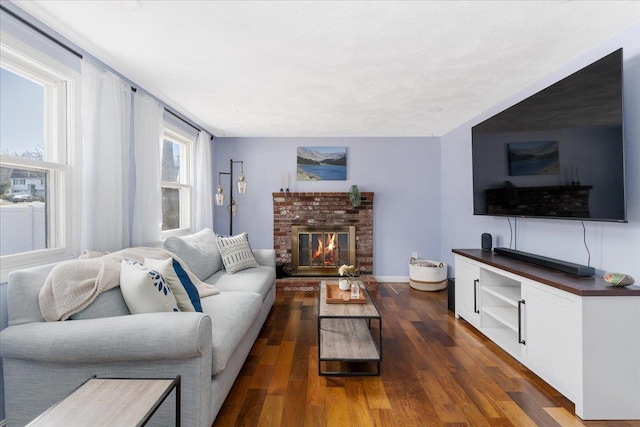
x=178, y=280
x=145, y=290
x=236, y=253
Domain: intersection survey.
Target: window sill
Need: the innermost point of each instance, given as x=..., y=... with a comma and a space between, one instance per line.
x=178, y=232
x=28, y=260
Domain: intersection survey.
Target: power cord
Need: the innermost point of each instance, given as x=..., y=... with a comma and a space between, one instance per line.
x=584, y=239
x=510, y=232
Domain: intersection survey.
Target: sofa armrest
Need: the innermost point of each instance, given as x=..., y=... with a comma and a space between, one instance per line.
x=151, y=336
x=266, y=257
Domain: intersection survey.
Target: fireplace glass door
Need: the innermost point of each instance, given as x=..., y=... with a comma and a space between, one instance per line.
x=322, y=251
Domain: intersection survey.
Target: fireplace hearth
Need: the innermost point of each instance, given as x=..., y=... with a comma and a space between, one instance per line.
x=320, y=251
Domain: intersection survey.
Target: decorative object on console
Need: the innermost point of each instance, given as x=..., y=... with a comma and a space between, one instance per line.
x=242, y=187
x=618, y=279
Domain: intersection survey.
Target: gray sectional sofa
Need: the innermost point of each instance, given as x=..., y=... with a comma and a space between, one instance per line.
x=44, y=361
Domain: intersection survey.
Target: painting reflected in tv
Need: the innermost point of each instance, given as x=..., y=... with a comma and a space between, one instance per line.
x=534, y=158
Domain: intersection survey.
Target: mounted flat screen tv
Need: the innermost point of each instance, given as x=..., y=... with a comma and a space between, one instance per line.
x=558, y=153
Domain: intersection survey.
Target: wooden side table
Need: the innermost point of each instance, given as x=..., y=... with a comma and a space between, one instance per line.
x=111, y=402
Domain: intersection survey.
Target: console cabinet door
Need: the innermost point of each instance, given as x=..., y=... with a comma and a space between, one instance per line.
x=552, y=334
x=468, y=291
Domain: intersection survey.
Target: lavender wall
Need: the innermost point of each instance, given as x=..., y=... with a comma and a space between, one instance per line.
x=613, y=246
x=404, y=174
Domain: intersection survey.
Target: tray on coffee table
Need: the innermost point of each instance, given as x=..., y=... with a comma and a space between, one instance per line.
x=337, y=296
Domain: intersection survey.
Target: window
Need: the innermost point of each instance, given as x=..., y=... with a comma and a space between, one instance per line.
x=34, y=161
x=176, y=181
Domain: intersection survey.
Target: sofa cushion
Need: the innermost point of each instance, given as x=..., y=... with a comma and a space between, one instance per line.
x=183, y=289
x=108, y=304
x=236, y=253
x=145, y=290
x=232, y=314
x=258, y=280
x=199, y=251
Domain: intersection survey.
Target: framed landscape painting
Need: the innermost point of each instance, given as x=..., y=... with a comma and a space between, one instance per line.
x=322, y=164
x=534, y=158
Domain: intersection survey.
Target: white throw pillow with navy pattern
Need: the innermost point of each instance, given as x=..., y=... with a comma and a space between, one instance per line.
x=145, y=290
x=236, y=253
x=183, y=289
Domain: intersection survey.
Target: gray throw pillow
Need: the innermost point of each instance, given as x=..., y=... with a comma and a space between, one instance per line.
x=199, y=251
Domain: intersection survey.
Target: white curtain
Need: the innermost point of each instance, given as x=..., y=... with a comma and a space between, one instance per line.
x=106, y=109
x=203, y=186
x=147, y=147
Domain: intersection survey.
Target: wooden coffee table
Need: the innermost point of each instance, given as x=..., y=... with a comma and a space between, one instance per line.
x=349, y=332
x=111, y=402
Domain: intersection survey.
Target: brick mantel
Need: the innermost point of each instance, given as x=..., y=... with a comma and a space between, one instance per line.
x=323, y=209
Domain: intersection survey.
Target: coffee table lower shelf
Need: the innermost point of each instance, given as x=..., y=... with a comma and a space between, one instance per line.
x=349, y=341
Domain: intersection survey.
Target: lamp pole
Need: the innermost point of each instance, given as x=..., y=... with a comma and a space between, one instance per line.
x=241, y=188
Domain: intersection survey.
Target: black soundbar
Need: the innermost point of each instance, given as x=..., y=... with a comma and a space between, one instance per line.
x=555, y=264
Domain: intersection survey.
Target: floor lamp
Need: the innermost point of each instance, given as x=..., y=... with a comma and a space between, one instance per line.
x=242, y=187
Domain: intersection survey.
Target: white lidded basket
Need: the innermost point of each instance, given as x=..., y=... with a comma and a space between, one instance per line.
x=427, y=275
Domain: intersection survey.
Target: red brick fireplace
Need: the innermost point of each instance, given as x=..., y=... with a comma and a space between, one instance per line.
x=318, y=214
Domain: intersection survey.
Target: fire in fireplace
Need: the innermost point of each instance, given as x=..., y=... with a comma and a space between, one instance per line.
x=320, y=251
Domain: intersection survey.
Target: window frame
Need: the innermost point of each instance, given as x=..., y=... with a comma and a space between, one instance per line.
x=61, y=127
x=186, y=179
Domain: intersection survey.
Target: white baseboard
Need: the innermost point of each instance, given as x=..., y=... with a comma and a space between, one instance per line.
x=393, y=279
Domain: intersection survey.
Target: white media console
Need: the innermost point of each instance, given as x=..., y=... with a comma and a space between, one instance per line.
x=579, y=334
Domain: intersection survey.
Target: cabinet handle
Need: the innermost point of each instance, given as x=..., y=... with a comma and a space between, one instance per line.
x=475, y=296
x=520, y=340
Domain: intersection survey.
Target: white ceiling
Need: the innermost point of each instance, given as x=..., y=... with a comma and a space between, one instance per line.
x=334, y=68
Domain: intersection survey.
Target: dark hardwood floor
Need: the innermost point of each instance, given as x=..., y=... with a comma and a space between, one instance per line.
x=436, y=371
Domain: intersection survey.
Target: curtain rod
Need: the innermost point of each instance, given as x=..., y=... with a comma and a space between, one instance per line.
x=40, y=31
x=177, y=116
x=81, y=56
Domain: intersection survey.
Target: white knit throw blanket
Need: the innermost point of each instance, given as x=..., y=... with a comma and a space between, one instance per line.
x=71, y=286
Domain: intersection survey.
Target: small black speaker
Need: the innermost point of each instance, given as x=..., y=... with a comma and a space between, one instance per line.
x=487, y=241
